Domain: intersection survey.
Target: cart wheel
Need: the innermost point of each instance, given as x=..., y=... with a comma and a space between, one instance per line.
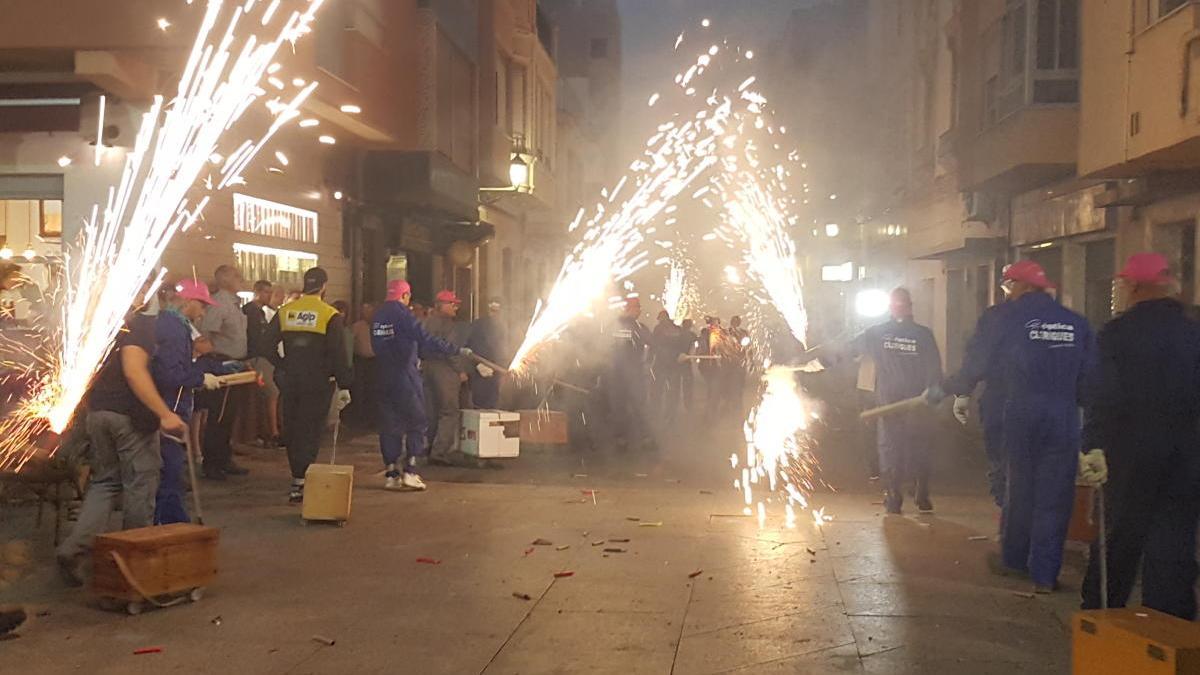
x=341, y=523
x=134, y=608
x=196, y=594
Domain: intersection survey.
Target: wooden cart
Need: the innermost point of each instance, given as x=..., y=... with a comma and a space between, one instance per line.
x=160, y=566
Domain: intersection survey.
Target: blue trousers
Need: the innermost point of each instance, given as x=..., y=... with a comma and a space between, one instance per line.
x=991, y=417
x=904, y=442
x=170, y=502
x=402, y=426
x=1043, y=454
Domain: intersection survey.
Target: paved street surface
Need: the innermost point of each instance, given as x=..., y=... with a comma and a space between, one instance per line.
x=864, y=593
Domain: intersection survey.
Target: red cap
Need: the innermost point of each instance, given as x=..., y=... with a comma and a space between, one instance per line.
x=194, y=290
x=396, y=288
x=447, y=298
x=1028, y=272
x=1146, y=268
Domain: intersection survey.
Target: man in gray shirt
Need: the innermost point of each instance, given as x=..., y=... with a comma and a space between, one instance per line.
x=444, y=376
x=225, y=326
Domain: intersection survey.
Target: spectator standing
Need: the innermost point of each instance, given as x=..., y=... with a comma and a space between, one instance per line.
x=444, y=376
x=489, y=340
x=125, y=416
x=225, y=326
x=363, y=407
x=256, y=330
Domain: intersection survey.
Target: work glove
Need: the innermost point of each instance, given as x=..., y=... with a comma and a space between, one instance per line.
x=465, y=351
x=211, y=381
x=1093, y=468
x=484, y=371
x=962, y=408
x=934, y=395
x=341, y=399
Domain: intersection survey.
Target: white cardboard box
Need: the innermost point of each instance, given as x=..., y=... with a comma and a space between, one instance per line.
x=490, y=433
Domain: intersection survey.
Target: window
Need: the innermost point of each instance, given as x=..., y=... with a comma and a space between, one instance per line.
x=23, y=219
x=1165, y=7
x=599, y=48
x=1049, y=75
x=1056, y=74
x=279, y=266
x=259, y=216
x=502, y=102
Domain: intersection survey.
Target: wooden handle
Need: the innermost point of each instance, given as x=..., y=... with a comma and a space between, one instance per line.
x=892, y=408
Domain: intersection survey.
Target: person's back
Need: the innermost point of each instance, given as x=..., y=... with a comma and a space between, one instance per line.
x=1046, y=351
x=312, y=343
x=1157, y=375
x=905, y=357
x=395, y=344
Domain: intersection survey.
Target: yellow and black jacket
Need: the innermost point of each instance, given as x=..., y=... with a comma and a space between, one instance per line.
x=312, y=333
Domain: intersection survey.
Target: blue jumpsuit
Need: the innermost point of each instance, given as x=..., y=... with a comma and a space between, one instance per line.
x=175, y=375
x=398, y=338
x=991, y=411
x=907, y=361
x=1144, y=412
x=1047, y=355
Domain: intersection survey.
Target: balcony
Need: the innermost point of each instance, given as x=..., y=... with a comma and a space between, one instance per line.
x=1031, y=146
x=1148, y=118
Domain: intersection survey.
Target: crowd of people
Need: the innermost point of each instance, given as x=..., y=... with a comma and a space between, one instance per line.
x=1061, y=408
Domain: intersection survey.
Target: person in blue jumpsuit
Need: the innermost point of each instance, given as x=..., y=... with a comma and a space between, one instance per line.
x=991, y=410
x=176, y=373
x=1047, y=355
x=1143, y=416
x=397, y=338
x=907, y=362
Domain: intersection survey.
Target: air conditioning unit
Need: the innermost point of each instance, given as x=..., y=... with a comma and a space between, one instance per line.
x=979, y=207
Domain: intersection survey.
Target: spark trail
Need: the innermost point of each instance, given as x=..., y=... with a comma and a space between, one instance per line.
x=176, y=147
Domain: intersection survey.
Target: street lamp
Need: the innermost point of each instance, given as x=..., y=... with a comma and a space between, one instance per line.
x=518, y=170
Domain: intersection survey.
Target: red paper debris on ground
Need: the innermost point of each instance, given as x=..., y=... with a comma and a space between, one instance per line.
x=147, y=650
x=560, y=575
x=529, y=550
x=429, y=561
x=695, y=574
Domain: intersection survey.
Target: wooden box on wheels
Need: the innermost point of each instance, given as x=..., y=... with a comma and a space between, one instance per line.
x=159, y=565
x=1134, y=640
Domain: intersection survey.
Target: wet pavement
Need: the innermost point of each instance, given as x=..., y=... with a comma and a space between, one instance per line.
x=707, y=591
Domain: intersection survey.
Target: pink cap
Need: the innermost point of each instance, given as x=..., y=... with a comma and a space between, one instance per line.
x=194, y=290
x=1146, y=268
x=447, y=297
x=1029, y=272
x=397, y=288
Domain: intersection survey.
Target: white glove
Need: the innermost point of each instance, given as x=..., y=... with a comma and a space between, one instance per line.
x=211, y=381
x=962, y=408
x=1093, y=469
x=483, y=370
x=341, y=399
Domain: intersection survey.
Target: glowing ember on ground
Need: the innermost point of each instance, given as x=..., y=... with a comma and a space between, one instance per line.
x=123, y=242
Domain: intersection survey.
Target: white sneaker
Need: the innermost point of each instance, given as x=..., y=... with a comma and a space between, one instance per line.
x=393, y=483
x=412, y=481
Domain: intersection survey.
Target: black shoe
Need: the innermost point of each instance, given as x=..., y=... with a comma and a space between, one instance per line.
x=11, y=619
x=68, y=569
x=232, y=469
x=213, y=474
x=924, y=505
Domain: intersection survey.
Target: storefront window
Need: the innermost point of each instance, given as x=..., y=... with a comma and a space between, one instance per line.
x=23, y=219
x=259, y=216
x=279, y=266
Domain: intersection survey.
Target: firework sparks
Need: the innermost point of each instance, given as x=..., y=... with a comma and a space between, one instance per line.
x=122, y=244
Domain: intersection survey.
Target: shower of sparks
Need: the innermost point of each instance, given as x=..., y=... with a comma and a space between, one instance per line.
x=778, y=455
x=679, y=296
x=122, y=243
x=610, y=249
